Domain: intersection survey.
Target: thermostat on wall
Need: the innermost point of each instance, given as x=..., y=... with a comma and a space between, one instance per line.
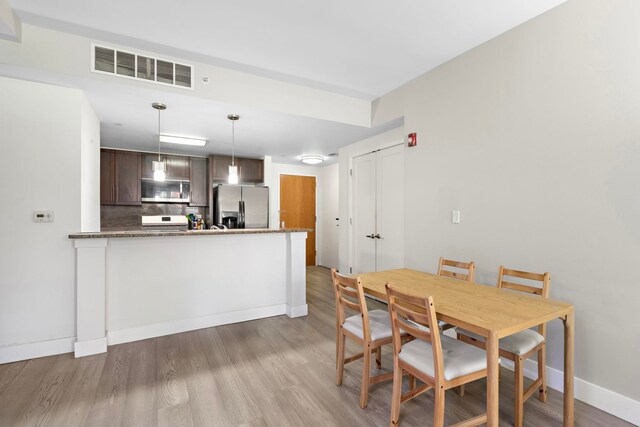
x=43, y=216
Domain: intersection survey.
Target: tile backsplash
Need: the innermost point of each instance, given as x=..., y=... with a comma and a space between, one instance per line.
x=128, y=217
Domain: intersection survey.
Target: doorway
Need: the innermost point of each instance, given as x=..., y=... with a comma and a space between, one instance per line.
x=298, y=208
x=378, y=210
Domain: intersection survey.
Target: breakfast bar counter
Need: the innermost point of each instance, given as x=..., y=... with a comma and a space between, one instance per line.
x=134, y=285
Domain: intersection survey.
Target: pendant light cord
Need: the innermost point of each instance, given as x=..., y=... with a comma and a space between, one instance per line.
x=158, y=135
x=233, y=141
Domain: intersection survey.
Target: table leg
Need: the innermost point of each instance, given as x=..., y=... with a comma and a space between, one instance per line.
x=493, y=369
x=568, y=369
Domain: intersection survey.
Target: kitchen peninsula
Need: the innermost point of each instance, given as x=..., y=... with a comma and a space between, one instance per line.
x=134, y=285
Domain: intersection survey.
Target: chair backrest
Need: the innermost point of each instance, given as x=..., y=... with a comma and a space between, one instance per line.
x=469, y=266
x=404, y=307
x=542, y=279
x=349, y=294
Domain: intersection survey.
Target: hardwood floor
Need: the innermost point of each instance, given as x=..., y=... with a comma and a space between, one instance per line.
x=269, y=372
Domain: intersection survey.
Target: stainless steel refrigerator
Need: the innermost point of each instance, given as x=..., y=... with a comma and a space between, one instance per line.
x=240, y=206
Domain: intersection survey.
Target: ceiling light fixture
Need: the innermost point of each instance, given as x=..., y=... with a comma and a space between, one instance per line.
x=183, y=140
x=233, y=169
x=312, y=159
x=159, y=167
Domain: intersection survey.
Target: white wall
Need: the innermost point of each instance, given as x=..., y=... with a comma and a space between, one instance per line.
x=384, y=140
x=89, y=168
x=328, y=212
x=41, y=146
x=534, y=137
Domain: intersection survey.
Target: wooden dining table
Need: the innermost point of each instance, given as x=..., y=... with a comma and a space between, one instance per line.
x=488, y=311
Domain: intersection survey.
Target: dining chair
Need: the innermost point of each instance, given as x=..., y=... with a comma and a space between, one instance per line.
x=439, y=361
x=470, y=268
x=369, y=329
x=520, y=346
x=444, y=272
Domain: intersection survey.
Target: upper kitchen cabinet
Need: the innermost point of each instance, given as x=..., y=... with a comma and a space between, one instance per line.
x=199, y=182
x=250, y=171
x=120, y=178
x=177, y=166
x=107, y=178
x=127, y=178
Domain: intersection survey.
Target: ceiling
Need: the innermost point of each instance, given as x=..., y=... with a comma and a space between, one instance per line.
x=357, y=48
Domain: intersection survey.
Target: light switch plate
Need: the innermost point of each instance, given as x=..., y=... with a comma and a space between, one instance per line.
x=455, y=217
x=43, y=216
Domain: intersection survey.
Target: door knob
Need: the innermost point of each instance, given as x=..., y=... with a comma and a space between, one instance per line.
x=377, y=236
x=371, y=236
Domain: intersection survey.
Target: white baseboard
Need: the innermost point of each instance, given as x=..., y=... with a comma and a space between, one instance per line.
x=33, y=350
x=174, y=327
x=297, y=311
x=87, y=348
x=609, y=401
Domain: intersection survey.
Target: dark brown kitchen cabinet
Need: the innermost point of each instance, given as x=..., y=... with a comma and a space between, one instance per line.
x=199, y=182
x=249, y=170
x=107, y=178
x=128, y=178
x=177, y=167
x=120, y=173
x=219, y=168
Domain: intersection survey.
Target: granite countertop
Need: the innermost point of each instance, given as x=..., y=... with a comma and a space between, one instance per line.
x=156, y=233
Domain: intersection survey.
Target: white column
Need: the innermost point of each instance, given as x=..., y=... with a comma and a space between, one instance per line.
x=296, y=274
x=90, y=297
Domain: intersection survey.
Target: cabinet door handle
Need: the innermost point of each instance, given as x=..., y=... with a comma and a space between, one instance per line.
x=371, y=236
x=377, y=236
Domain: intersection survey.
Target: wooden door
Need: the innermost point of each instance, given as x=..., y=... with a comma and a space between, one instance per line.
x=298, y=208
x=107, y=178
x=219, y=168
x=147, y=164
x=128, y=178
x=177, y=167
x=199, y=182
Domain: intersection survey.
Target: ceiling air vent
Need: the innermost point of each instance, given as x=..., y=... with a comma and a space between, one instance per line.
x=108, y=60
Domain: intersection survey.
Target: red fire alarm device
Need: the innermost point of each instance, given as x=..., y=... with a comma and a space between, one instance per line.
x=412, y=140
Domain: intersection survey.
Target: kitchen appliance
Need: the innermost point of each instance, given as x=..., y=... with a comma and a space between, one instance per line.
x=240, y=206
x=165, y=222
x=167, y=191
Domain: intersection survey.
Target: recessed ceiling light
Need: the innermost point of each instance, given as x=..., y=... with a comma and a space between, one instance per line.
x=312, y=159
x=183, y=140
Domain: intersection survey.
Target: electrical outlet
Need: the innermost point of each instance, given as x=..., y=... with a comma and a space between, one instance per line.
x=43, y=216
x=455, y=217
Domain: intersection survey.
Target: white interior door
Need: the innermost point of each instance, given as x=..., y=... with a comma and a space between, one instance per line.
x=364, y=213
x=390, y=208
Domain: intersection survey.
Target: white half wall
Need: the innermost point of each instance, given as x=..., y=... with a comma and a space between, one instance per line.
x=89, y=168
x=41, y=143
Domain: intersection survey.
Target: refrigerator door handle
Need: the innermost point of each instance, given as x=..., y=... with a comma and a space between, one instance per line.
x=241, y=215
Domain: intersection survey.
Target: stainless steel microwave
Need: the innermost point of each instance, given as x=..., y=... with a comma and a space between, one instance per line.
x=168, y=191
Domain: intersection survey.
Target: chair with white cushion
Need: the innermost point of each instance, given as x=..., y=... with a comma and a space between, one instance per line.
x=455, y=272
x=439, y=361
x=370, y=329
x=520, y=346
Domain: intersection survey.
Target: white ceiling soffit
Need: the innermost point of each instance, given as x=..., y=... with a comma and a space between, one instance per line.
x=357, y=47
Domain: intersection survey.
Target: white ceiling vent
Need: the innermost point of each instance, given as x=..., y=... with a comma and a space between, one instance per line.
x=106, y=60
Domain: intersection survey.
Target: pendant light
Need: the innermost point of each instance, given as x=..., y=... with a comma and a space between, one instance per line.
x=159, y=167
x=233, y=169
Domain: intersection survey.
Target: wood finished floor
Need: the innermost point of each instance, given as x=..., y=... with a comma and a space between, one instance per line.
x=268, y=372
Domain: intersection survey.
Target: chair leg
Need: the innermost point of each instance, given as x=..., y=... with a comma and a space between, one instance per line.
x=412, y=382
x=542, y=373
x=366, y=373
x=438, y=416
x=379, y=357
x=340, y=362
x=518, y=387
x=397, y=393
x=461, y=388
